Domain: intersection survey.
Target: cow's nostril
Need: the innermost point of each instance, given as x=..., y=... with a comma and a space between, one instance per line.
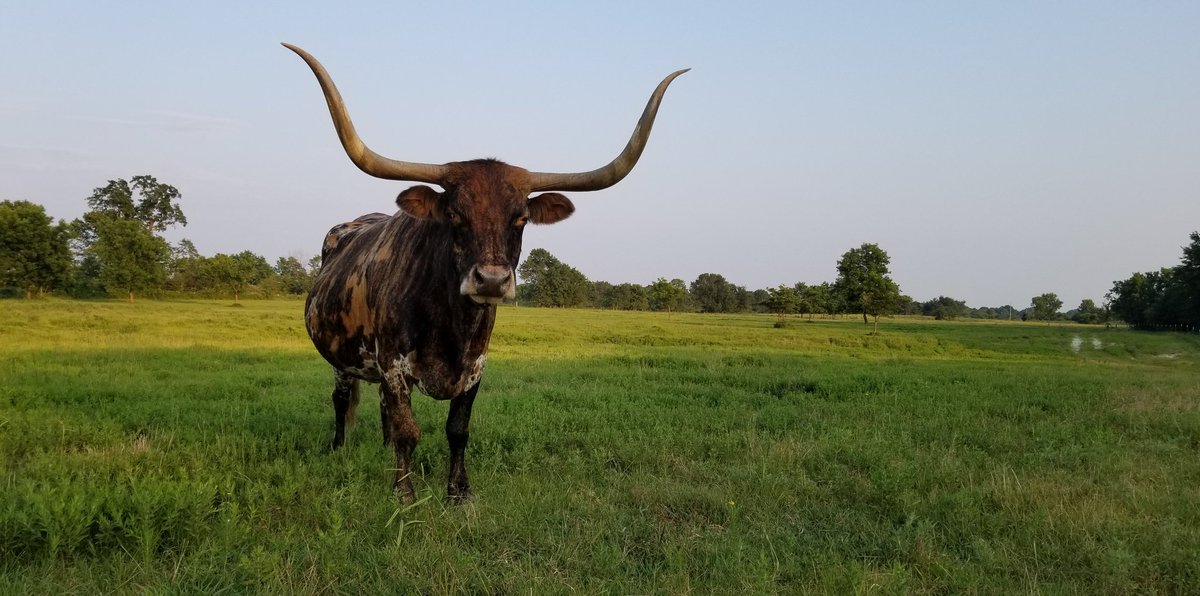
x=479, y=278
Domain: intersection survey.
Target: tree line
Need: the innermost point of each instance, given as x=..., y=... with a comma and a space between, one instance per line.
x=1167, y=299
x=117, y=249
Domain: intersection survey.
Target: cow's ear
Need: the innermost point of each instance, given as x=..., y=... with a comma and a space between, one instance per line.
x=419, y=201
x=550, y=208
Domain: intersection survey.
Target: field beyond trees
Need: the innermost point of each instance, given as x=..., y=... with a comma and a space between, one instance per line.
x=184, y=446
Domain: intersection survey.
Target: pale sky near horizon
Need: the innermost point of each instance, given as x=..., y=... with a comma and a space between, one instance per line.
x=996, y=151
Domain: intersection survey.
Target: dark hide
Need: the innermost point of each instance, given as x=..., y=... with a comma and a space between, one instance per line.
x=407, y=300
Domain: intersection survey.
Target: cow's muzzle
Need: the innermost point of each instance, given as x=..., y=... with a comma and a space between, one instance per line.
x=489, y=284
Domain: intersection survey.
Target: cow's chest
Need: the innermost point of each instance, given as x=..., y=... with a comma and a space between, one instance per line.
x=436, y=378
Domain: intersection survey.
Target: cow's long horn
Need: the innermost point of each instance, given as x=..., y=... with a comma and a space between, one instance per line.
x=616, y=169
x=362, y=156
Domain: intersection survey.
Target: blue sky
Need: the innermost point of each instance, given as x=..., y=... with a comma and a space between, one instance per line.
x=995, y=150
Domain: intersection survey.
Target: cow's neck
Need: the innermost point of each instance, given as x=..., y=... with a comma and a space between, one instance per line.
x=452, y=320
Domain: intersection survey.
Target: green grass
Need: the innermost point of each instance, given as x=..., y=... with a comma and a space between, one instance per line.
x=183, y=447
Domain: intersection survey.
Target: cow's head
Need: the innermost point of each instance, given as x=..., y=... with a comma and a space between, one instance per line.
x=484, y=204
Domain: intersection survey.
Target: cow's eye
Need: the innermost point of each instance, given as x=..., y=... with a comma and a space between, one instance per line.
x=520, y=221
x=454, y=217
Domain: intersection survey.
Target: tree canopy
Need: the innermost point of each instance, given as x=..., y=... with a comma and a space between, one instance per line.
x=34, y=253
x=145, y=199
x=713, y=293
x=1162, y=300
x=1046, y=307
x=120, y=239
x=550, y=282
x=864, y=284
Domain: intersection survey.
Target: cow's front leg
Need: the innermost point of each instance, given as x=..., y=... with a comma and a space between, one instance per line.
x=457, y=425
x=401, y=429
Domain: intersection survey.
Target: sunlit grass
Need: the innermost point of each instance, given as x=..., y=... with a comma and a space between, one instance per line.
x=184, y=445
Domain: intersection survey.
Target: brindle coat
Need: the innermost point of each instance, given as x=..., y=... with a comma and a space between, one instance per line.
x=388, y=306
x=409, y=300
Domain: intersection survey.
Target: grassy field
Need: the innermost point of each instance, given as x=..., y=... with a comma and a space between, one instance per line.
x=183, y=447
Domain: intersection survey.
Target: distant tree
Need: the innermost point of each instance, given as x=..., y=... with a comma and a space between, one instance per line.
x=743, y=299
x=1167, y=299
x=185, y=268
x=909, y=306
x=1187, y=274
x=685, y=303
x=944, y=308
x=864, y=284
x=666, y=295
x=713, y=293
x=782, y=300
x=1088, y=313
x=293, y=277
x=881, y=298
x=34, y=253
x=814, y=299
x=259, y=266
x=550, y=282
x=314, y=265
x=145, y=199
x=131, y=257
x=599, y=296
x=1046, y=307
x=630, y=296
x=106, y=239
x=229, y=273
x=759, y=299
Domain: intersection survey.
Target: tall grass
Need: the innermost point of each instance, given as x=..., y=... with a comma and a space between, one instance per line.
x=183, y=446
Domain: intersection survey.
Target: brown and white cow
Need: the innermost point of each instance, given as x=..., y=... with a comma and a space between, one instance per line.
x=408, y=300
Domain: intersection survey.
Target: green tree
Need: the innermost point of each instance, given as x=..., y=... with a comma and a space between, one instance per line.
x=293, y=277
x=34, y=252
x=187, y=269
x=864, y=284
x=106, y=240
x=666, y=295
x=1088, y=313
x=131, y=258
x=713, y=293
x=1188, y=277
x=1046, y=306
x=816, y=299
x=237, y=272
x=550, y=282
x=630, y=296
x=145, y=199
x=230, y=273
x=909, y=306
x=782, y=301
x=944, y=308
x=881, y=298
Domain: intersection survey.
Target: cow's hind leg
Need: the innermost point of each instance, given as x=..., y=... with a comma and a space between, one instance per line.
x=401, y=429
x=385, y=419
x=458, y=422
x=345, y=401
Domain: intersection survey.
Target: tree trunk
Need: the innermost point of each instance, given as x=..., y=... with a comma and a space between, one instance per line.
x=131, y=296
x=28, y=293
x=865, y=321
x=876, y=331
x=235, y=296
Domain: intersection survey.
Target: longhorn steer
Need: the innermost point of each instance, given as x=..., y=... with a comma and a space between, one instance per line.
x=409, y=300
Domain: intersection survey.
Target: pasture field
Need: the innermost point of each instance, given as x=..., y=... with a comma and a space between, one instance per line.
x=183, y=446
